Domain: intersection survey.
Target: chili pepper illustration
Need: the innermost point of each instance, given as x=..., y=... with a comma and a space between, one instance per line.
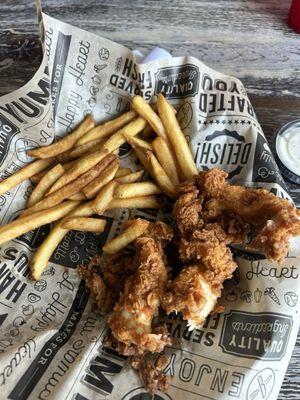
x=257, y=294
x=271, y=293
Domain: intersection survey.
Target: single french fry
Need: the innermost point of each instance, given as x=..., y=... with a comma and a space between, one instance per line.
x=130, y=178
x=134, y=230
x=83, y=149
x=23, y=174
x=134, y=141
x=140, y=105
x=161, y=177
x=108, y=128
x=78, y=196
x=84, y=224
x=93, y=188
x=65, y=143
x=82, y=165
x=141, y=155
x=123, y=172
x=177, y=138
x=104, y=198
x=166, y=158
x=118, y=138
x=45, y=184
x=42, y=256
x=26, y=224
x=127, y=190
x=134, y=202
x=66, y=191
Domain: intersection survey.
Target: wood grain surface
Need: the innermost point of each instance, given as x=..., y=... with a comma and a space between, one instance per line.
x=249, y=39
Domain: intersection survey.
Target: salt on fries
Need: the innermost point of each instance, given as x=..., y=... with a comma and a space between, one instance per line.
x=80, y=175
x=134, y=230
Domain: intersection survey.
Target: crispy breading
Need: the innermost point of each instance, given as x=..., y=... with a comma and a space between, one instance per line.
x=214, y=256
x=276, y=219
x=207, y=264
x=132, y=317
x=151, y=373
x=100, y=293
x=186, y=210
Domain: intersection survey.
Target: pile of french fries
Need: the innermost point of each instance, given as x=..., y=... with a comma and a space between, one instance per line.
x=80, y=176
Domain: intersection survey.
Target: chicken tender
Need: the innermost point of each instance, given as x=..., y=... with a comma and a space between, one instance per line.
x=131, y=321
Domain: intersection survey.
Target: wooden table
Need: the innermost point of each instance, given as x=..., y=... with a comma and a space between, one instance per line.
x=249, y=39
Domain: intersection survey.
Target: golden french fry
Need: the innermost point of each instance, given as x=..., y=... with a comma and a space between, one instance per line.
x=166, y=158
x=106, y=129
x=134, y=141
x=134, y=202
x=118, y=138
x=30, y=222
x=177, y=138
x=78, y=196
x=134, y=230
x=83, y=149
x=45, y=184
x=161, y=177
x=104, y=198
x=141, y=155
x=123, y=172
x=82, y=165
x=130, y=178
x=65, y=143
x=66, y=191
x=42, y=255
x=23, y=174
x=127, y=190
x=140, y=105
x=93, y=188
x=84, y=224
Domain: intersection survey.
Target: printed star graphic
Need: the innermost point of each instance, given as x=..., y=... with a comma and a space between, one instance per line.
x=249, y=122
x=205, y=122
x=217, y=121
x=230, y=122
x=224, y=122
x=236, y=121
x=243, y=121
x=211, y=121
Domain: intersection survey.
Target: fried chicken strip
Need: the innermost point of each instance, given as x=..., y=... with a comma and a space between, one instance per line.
x=132, y=317
x=208, y=263
x=276, y=218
